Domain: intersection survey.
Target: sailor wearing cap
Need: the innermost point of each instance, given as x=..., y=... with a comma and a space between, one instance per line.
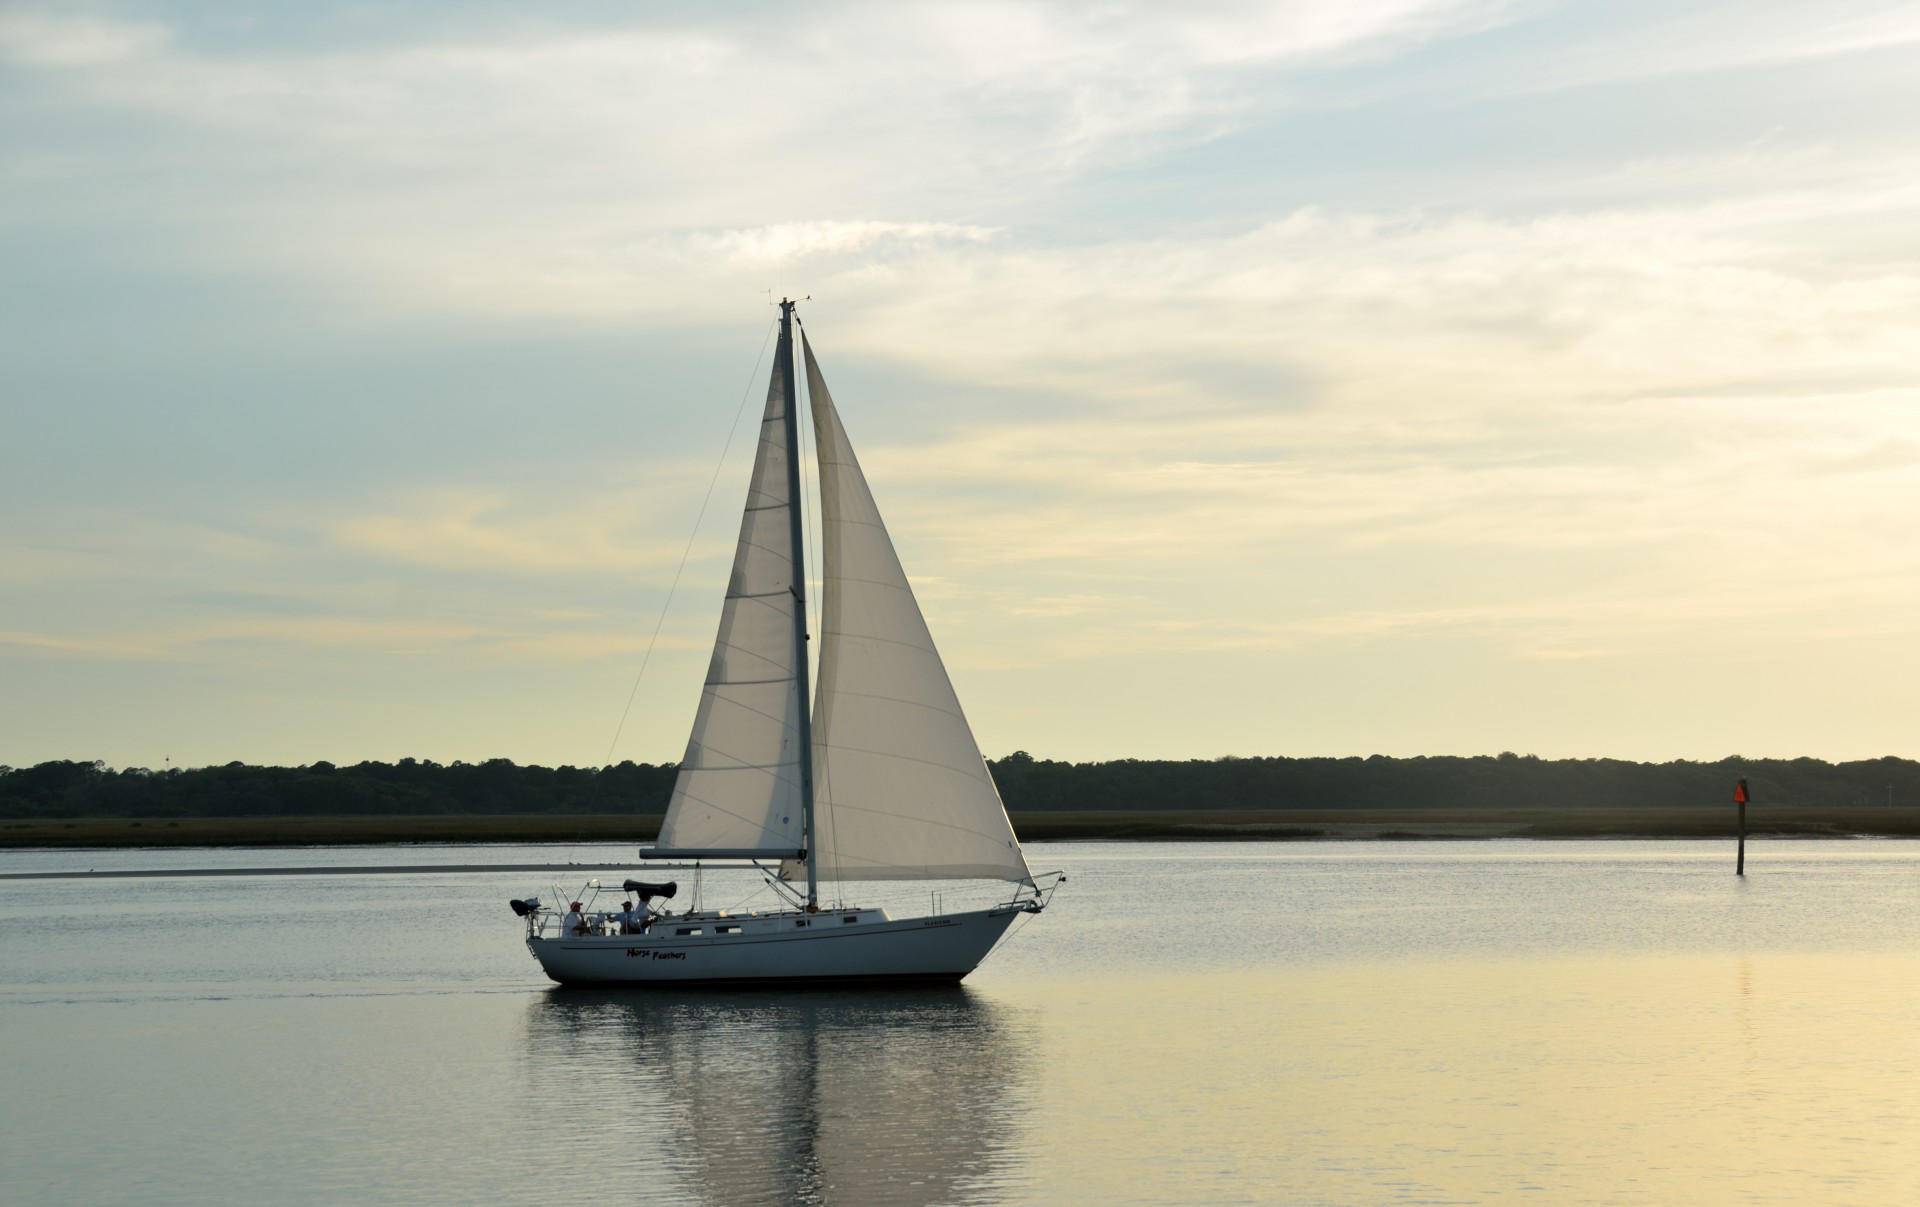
x=576, y=923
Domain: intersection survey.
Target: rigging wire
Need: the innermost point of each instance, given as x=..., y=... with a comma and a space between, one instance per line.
x=606, y=764
x=1020, y=924
x=688, y=551
x=1006, y=936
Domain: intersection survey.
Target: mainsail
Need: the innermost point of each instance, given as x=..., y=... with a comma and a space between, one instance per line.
x=900, y=789
x=739, y=788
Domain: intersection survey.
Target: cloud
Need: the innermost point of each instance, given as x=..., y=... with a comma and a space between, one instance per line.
x=55, y=644
x=55, y=41
x=500, y=637
x=527, y=168
x=1665, y=392
x=22, y=563
x=788, y=242
x=1638, y=395
x=1690, y=42
x=465, y=530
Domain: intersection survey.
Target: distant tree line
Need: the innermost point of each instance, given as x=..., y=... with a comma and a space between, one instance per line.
x=1504, y=781
x=408, y=787
x=498, y=786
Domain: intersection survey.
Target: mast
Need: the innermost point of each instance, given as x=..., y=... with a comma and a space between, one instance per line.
x=784, y=366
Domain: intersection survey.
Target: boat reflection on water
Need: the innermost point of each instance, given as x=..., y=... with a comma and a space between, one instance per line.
x=853, y=1098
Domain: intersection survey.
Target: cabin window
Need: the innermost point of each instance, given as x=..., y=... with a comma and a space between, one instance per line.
x=726, y=930
x=844, y=921
x=799, y=921
x=688, y=930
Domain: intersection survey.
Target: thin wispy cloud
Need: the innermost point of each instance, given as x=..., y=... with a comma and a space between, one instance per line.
x=474, y=531
x=791, y=242
x=1691, y=42
x=53, y=39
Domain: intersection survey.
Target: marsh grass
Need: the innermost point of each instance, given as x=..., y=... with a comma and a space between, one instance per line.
x=1259, y=825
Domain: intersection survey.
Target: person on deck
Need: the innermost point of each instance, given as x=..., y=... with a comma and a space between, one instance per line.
x=576, y=923
x=644, y=916
x=629, y=921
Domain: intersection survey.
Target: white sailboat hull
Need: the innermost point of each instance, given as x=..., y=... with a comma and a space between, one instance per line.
x=943, y=948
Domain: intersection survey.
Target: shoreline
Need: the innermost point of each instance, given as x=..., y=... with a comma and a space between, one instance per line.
x=1251, y=825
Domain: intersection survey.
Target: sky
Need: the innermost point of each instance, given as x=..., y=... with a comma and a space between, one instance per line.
x=1336, y=377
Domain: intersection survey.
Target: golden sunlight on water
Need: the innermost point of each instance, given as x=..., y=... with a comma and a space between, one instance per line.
x=1663, y=1079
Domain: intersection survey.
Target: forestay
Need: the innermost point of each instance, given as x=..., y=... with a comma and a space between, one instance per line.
x=739, y=786
x=900, y=789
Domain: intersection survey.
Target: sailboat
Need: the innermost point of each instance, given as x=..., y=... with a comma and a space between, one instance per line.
x=881, y=779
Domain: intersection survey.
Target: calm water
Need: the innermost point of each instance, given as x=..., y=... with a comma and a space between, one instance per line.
x=1190, y=1023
